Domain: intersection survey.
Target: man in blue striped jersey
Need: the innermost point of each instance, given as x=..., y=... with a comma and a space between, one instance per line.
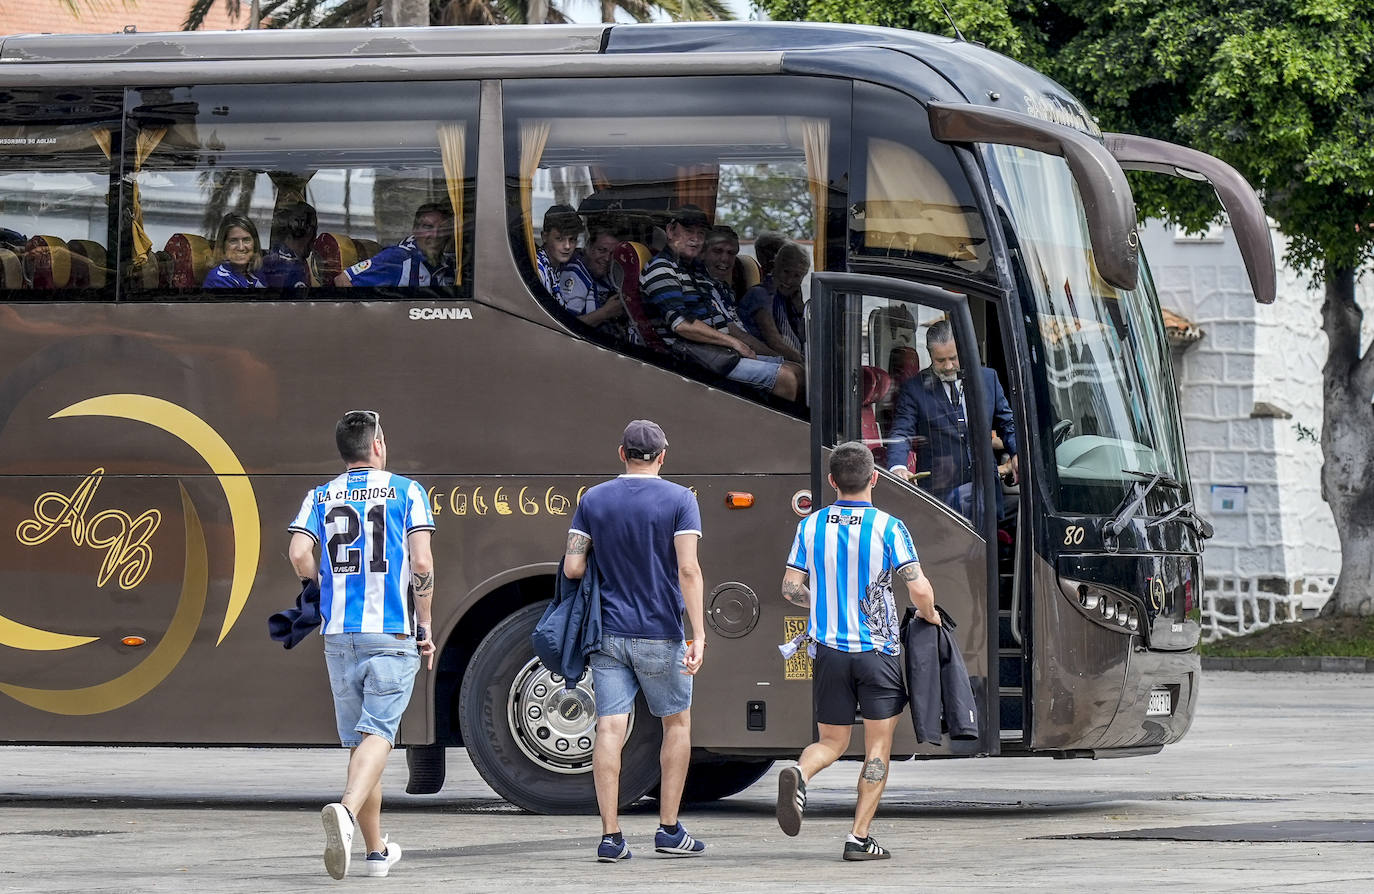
x=421, y=260
x=850, y=552
x=376, y=566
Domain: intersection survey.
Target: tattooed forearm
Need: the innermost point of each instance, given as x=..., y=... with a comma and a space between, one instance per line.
x=910, y=572
x=422, y=582
x=578, y=543
x=875, y=770
x=796, y=593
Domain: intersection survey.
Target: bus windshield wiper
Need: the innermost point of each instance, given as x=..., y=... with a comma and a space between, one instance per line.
x=1188, y=513
x=1131, y=503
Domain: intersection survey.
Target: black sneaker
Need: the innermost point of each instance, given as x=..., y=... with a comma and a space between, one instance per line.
x=791, y=800
x=868, y=849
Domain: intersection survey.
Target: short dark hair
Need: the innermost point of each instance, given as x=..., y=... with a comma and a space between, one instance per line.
x=563, y=219
x=354, y=435
x=443, y=208
x=722, y=233
x=851, y=465
x=766, y=247
x=939, y=333
x=295, y=219
x=603, y=226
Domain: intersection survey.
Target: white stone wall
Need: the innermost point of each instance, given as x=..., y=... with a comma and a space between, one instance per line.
x=1282, y=552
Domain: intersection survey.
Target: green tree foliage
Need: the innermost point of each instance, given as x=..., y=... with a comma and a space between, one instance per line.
x=1281, y=89
x=760, y=198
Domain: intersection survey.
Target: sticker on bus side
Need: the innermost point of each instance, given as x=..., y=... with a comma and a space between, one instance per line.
x=798, y=667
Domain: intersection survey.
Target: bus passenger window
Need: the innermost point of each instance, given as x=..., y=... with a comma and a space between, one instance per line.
x=747, y=156
x=364, y=187
x=55, y=187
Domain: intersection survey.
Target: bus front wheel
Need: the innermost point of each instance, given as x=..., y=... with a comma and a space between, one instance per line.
x=531, y=738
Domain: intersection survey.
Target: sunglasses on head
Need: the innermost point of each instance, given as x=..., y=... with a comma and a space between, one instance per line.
x=370, y=414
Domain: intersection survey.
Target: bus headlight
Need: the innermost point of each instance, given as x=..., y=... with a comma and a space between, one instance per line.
x=1133, y=624
x=1108, y=609
x=1088, y=599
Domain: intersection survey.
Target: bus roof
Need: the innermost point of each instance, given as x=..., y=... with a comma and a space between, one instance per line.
x=980, y=75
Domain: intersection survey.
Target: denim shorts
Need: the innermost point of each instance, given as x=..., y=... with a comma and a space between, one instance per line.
x=372, y=675
x=623, y=665
x=761, y=372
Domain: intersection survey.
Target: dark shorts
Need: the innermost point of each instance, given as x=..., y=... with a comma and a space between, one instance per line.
x=872, y=681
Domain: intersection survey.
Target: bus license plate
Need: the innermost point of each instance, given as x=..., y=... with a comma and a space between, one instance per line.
x=1161, y=703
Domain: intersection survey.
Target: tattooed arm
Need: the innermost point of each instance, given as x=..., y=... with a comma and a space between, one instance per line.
x=422, y=587
x=794, y=588
x=919, y=590
x=575, y=559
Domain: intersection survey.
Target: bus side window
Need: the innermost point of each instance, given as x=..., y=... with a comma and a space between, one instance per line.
x=55, y=183
x=642, y=161
x=330, y=186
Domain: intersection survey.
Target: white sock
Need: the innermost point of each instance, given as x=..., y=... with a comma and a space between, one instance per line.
x=850, y=838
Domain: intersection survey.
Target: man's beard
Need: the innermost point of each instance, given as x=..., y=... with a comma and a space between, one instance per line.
x=947, y=377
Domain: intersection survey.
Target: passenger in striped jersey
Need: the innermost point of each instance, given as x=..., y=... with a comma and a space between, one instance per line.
x=842, y=566
x=373, y=529
x=680, y=295
x=421, y=260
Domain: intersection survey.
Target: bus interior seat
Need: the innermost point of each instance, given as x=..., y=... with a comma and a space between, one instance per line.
x=876, y=383
x=88, y=263
x=629, y=259
x=191, y=258
x=11, y=270
x=331, y=254
x=47, y=263
x=366, y=248
x=748, y=274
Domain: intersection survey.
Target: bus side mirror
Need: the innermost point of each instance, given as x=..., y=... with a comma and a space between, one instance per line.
x=1248, y=220
x=1107, y=199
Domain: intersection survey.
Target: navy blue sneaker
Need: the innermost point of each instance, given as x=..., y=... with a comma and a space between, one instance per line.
x=678, y=844
x=610, y=852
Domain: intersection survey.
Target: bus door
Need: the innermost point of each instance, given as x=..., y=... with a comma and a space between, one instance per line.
x=879, y=371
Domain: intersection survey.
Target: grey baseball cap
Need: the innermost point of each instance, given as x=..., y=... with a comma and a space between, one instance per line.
x=643, y=440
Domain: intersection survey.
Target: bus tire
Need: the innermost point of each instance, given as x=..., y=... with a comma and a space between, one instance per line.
x=427, y=765
x=531, y=739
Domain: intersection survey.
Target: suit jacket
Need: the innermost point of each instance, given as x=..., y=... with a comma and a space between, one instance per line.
x=937, y=682
x=570, y=628
x=939, y=427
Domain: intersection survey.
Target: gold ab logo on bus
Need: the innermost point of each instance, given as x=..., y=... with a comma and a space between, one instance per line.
x=127, y=543
x=123, y=538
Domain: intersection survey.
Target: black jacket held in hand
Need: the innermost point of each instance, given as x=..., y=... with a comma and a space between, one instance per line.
x=937, y=682
x=291, y=626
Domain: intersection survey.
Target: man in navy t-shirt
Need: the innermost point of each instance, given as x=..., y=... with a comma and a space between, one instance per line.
x=645, y=533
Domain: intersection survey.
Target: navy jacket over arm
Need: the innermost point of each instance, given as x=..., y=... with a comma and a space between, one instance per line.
x=570, y=629
x=937, y=682
x=924, y=412
x=291, y=626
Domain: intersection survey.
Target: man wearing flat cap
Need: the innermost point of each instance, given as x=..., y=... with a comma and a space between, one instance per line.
x=644, y=530
x=677, y=289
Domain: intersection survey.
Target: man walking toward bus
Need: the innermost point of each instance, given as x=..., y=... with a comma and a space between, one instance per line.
x=645, y=533
x=850, y=551
x=374, y=529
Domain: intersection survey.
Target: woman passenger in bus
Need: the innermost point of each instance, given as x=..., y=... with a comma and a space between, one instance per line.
x=239, y=253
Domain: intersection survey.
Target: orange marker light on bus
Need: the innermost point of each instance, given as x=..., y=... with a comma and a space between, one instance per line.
x=738, y=499
x=133, y=640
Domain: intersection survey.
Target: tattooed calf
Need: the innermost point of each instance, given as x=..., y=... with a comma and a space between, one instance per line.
x=875, y=771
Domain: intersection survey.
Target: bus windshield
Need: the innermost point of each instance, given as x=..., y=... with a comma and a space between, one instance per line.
x=1106, y=397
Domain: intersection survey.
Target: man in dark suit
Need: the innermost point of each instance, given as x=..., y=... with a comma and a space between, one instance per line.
x=931, y=414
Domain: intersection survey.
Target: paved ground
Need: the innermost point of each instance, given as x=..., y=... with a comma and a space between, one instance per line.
x=1271, y=756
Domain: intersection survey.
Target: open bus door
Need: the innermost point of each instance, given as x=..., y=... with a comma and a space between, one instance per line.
x=866, y=341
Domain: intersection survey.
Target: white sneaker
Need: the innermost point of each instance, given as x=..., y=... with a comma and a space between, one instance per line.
x=338, y=839
x=378, y=865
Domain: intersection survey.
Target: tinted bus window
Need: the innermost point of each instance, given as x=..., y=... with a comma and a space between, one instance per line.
x=55, y=188
x=275, y=191
x=912, y=199
x=760, y=156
